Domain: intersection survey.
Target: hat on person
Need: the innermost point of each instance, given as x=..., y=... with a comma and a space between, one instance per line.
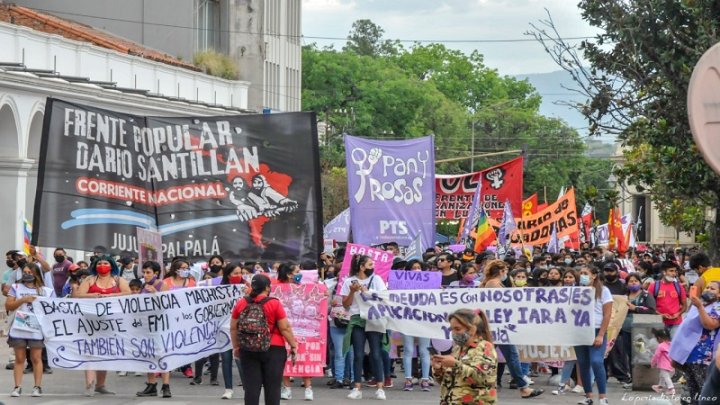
x=73, y=267
x=611, y=266
x=259, y=282
x=20, y=252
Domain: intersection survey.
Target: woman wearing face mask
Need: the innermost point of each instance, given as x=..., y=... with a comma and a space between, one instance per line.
x=539, y=277
x=696, y=340
x=153, y=284
x=20, y=298
x=639, y=302
x=104, y=281
x=468, y=277
x=176, y=278
x=554, y=277
x=231, y=274
x=519, y=277
x=591, y=357
x=362, y=279
x=423, y=344
x=496, y=272
x=568, y=260
x=289, y=273
x=467, y=376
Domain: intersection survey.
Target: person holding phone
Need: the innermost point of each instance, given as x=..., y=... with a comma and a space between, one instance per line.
x=467, y=375
x=361, y=279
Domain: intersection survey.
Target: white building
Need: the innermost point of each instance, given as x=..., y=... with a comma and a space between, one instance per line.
x=262, y=36
x=35, y=65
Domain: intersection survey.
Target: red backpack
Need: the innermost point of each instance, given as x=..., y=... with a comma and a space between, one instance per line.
x=253, y=331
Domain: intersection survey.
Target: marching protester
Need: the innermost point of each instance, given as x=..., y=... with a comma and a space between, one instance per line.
x=260, y=330
x=590, y=357
x=444, y=263
x=670, y=297
x=639, y=302
x=290, y=273
x=339, y=319
x=469, y=276
x=496, y=272
x=104, y=281
x=362, y=279
x=179, y=276
x=467, y=376
x=151, y=277
x=695, y=340
x=231, y=274
x=60, y=270
x=27, y=335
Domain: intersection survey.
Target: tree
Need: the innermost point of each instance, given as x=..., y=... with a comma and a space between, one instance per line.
x=636, y=87
x=366, y=39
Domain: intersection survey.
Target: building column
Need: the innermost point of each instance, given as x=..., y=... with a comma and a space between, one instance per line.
x=13, y=177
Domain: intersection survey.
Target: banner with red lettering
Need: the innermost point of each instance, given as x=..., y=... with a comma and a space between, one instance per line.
x=306, y=306
x=536, y=229
x=454, y=193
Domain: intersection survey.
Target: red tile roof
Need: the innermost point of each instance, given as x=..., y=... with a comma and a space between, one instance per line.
x=80, y=32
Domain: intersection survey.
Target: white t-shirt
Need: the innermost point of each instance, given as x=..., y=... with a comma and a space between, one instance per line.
x=604, y=299
x=377, y=285
x=18, y=291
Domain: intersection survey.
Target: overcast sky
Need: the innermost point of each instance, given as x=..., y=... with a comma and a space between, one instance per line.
x=453, y=20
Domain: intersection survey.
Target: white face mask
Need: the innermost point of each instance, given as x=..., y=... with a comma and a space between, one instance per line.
x=670, y=279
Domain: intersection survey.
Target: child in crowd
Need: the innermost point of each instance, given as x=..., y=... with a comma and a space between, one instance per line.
x=661, y=361
x=135, y=286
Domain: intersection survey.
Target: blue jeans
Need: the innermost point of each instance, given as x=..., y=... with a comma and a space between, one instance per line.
x=592, y=359
x=227, y=362
x=525, y=367
x=342, y=365
x=374, y=340
x=512, y=362
x=423, y=356
x=567, y=372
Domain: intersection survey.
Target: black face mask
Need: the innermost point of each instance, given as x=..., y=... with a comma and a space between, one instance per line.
x=611, y=278
x=59, y=259
x=10, y=263
x=28, y=278
x=369, y=272
x=21, y=263
x=216, y=268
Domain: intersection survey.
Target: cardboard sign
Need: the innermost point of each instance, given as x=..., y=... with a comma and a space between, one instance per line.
x=414, y=280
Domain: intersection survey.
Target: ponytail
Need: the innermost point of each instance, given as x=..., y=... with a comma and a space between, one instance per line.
x=473, y=319
x=356, y=262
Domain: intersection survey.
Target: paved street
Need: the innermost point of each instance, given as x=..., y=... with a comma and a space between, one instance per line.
x=66, y=388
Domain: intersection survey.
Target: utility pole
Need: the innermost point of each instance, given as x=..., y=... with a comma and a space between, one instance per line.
x=472, y=148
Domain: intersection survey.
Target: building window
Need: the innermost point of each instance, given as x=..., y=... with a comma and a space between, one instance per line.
x=207, y=24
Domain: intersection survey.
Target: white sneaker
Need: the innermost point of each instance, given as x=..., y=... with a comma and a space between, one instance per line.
x=380, y=395
x=585, y=401
x=560, y=391
x=122, y=373
x=308, y=394
x=16, y=392
x=36, y=392
x=285, y=393
x=90, y=390
x=355, y=394
x=227, y=395
x=139, y=374
x=528, y=380
x=603, y=401
x=578, y=389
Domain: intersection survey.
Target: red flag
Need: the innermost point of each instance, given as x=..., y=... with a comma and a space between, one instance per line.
x=616, y=238
x=454, y=193
x=541, y=207
x=530, y=205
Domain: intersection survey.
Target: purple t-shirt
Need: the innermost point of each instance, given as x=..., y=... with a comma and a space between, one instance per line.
x=60, y=273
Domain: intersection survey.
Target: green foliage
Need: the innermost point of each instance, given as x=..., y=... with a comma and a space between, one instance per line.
x=375, y=88
x=216, y=64
x=637, y=88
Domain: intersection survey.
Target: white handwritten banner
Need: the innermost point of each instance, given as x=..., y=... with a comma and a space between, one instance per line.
x=523, y=316
x=306, y=306
x=142, y=332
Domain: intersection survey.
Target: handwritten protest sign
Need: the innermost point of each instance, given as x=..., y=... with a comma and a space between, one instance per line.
x=383, y=261
x=142, y=333
x=528, y=316
x=414, y=280
x=149, y=245
x=617, y=317
x=530, y=354
x=307, y=308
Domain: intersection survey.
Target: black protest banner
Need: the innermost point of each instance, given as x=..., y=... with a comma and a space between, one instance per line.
x=243, y=186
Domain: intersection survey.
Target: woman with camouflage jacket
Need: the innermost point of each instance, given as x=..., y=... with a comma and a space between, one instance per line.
x=468, y=375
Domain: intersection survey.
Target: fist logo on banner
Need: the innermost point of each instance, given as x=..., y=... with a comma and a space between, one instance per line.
x=496, y=178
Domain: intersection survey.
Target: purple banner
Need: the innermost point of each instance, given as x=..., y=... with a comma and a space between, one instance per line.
x=392, y=190
x=339, y=228
x=414, y=280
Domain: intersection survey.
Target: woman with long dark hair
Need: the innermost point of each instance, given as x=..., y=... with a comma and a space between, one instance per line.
x=263, y=369
x=104, y=281
x=231, y=274
x=591, y=357
x=20, y=298
x=467, y=376
x=362, y=279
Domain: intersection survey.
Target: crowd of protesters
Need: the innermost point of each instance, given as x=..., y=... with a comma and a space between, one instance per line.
x=655, y=281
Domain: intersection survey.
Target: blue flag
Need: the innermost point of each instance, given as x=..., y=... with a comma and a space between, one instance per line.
x=415, y=249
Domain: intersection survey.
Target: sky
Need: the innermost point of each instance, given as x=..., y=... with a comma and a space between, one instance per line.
x=453, y=20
